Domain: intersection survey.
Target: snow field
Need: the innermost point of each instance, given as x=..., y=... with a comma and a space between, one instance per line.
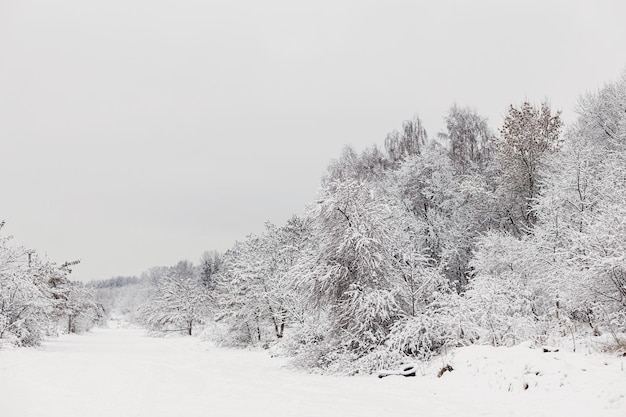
x=120, y=372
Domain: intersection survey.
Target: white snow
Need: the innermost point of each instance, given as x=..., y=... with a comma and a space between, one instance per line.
x=120, y=372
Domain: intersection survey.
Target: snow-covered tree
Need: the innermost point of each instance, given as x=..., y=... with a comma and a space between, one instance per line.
x=210, y=264
x=409, y=141
x=255, y=291
x=353, y=271
x=371, y=266
x=36, y=296
x=73, y=305
x=529, y=136
x=450, y=210
x=25, y=306
x=469, y=139
x=179, y=300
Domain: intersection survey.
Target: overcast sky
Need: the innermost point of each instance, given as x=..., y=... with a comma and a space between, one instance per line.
x=137, y=133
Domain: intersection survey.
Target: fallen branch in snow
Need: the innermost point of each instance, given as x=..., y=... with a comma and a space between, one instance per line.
x=408, y=370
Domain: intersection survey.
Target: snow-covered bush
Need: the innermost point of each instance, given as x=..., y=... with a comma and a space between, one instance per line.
x=508, y=294
x=310, y=342
x=424, y=335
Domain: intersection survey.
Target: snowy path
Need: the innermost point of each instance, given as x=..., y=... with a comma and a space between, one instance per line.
x=122, y=373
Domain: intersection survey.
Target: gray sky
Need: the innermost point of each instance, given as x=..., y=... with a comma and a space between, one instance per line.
x=137, y=133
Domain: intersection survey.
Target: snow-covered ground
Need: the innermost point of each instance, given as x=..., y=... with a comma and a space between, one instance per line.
x=120, y=372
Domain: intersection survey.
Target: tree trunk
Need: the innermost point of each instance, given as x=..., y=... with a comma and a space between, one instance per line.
x=278, y=335
x=282, y=329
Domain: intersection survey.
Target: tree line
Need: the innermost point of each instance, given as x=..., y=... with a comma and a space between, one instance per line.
x=430, y=243
x=424, y=244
